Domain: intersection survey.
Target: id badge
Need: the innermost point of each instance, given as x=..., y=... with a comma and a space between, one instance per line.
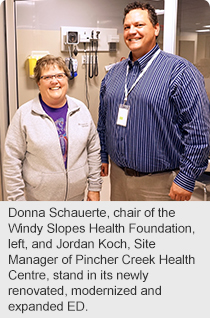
x=123, y=115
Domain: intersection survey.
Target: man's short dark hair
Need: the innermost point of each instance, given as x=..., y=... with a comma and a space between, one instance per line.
x=143, y=6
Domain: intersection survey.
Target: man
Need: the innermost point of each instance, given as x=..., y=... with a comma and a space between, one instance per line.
x=154, y=117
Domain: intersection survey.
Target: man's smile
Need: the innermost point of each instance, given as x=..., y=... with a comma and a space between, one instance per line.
x=134, y=40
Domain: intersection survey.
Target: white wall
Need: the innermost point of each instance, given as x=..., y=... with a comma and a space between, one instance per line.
x=50, y=15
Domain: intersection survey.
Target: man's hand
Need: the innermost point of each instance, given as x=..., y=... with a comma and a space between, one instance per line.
x=179, y=194
x=104, y=169
x=93, y=196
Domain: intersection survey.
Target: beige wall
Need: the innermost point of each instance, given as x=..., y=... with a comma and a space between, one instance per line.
x=41, y=40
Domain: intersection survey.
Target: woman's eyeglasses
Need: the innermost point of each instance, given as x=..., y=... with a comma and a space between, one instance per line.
x=58, y=76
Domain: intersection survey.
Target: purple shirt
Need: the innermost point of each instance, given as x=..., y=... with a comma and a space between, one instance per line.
x=59, y=117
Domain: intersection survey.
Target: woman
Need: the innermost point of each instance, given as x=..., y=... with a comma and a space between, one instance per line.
x=52, y=147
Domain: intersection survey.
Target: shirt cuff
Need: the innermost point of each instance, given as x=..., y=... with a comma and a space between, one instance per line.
x=104, y=157
x=184, y=181
x=95, y=187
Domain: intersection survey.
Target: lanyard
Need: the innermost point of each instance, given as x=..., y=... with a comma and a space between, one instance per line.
x=140, y=76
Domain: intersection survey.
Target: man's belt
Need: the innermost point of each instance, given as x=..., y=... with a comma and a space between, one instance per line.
x=133, y=173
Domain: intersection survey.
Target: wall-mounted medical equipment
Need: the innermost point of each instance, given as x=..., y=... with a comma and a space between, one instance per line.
x=89, y=41
x=113, y=40
x=93, y=55
x=87, y=35
x=32, y=59
x=71, y=62
x=72, y=37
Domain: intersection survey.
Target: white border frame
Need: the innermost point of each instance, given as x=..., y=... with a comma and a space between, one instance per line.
x=170, y=26
x=11, y=57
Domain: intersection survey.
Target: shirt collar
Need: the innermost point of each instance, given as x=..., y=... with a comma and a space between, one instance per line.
x=142, y=61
